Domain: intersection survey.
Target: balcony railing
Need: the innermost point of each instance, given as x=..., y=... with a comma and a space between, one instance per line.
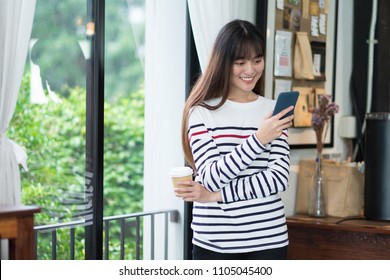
x=134, y=220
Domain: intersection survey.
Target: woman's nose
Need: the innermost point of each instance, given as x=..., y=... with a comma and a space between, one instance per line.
x=249, y=68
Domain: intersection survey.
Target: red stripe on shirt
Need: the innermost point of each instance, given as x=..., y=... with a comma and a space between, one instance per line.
x=230, y=136
x=197, y=133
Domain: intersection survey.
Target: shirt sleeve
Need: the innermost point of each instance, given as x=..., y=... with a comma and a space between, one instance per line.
x=271, y=180
x=215, y=171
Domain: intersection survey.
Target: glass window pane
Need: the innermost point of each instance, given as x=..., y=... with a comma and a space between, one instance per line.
x=124, y=115
x=50, y=121
x=53, y=120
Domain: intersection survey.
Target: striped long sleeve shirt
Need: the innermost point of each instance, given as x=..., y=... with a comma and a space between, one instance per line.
x=229, y=158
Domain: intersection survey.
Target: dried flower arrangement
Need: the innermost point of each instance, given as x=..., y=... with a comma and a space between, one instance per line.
x=320, y=118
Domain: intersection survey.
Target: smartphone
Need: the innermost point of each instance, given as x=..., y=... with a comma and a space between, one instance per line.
x=285, y=99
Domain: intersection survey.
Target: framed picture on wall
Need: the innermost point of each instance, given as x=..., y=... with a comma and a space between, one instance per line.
x=315, y=22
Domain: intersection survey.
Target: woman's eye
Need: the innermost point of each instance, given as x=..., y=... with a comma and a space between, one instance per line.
x=239, y=62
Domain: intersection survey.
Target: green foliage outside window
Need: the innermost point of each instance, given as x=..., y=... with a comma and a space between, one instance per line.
x=53, y=135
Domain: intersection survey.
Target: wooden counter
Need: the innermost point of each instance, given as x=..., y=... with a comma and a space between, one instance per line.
x=338, y=238
x=17, y=225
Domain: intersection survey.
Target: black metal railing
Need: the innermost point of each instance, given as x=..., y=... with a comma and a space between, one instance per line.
x=136, y=221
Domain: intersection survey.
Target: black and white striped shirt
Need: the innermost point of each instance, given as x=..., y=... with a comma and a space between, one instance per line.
x=229, y=158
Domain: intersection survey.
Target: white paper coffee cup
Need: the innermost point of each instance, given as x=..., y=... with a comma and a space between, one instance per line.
x=182, y=173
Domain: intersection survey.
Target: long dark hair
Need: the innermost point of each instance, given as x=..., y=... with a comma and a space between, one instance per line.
x=236, y=40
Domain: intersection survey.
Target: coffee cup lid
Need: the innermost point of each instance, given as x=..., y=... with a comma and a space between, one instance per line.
x=181, y=171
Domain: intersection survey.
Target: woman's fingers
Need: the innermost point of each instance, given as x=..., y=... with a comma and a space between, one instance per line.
x=285, y=122
x=185, y=190
x=186, y=193
x=282, y=113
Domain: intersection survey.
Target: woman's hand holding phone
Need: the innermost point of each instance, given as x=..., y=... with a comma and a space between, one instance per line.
x=273, y=126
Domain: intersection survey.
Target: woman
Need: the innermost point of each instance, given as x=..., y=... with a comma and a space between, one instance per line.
x=239, y=152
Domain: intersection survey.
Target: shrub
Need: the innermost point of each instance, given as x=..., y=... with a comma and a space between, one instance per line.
x=54, y=136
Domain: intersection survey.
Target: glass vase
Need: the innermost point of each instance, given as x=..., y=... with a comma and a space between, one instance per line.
x=317, y=200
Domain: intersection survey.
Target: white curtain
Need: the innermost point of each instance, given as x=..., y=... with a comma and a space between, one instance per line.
x=165, y=35
x=16, y=19
x=208, y=16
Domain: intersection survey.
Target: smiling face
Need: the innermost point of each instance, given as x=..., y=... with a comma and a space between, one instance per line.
x=245, y=73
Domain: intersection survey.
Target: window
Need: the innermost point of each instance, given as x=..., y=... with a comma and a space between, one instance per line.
x=55, y=118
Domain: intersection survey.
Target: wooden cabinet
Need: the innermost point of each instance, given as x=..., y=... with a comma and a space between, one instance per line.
x=17, y=225
x=338, y=238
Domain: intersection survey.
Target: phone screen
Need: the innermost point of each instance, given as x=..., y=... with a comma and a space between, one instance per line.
x=286, y=99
